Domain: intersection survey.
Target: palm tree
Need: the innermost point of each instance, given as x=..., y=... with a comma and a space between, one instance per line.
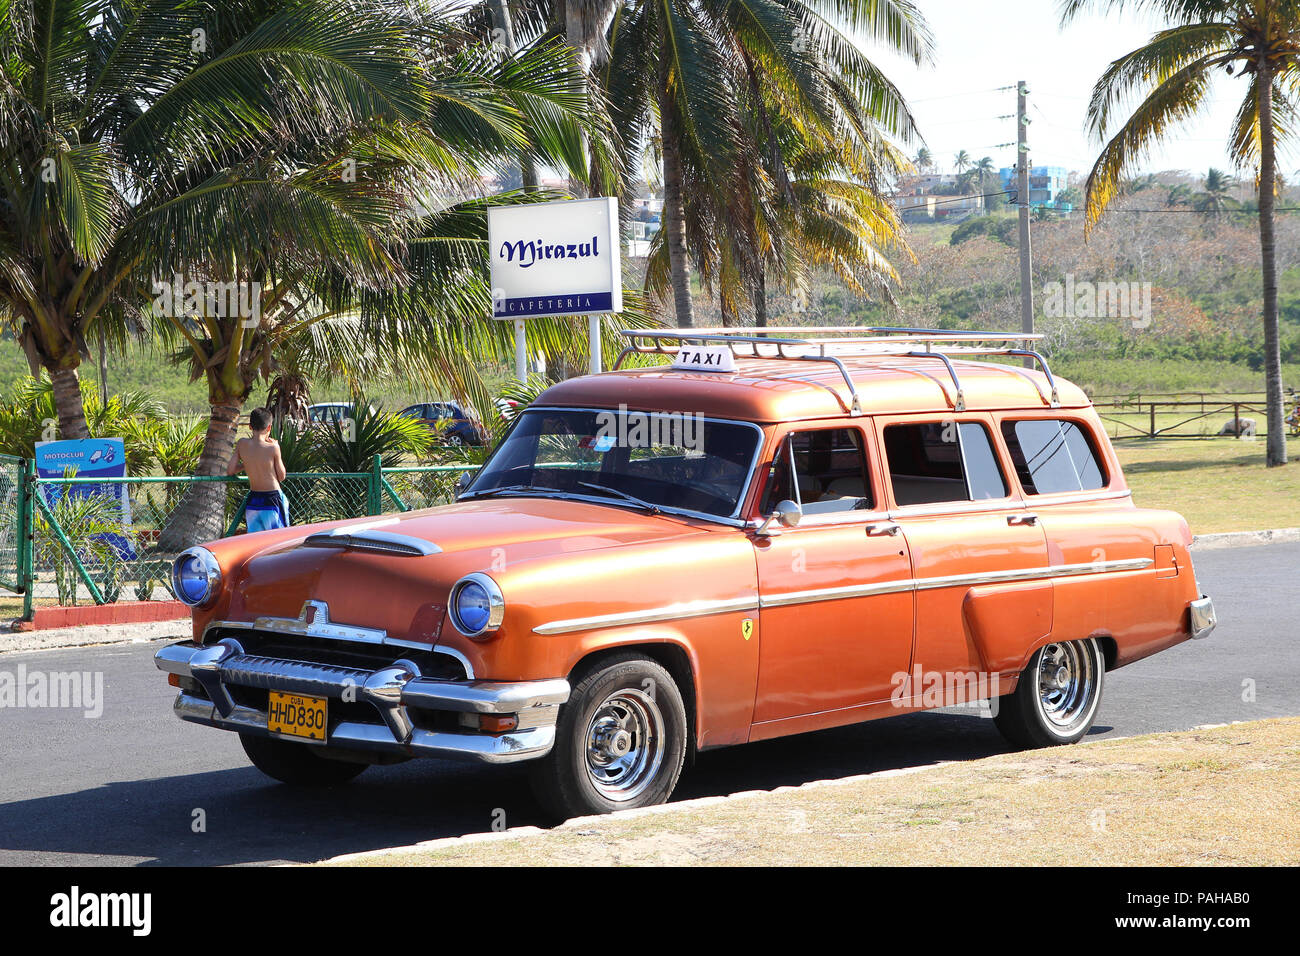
x=1258, y=40
x=961, y=162
x=1179, y=195
x=923, y=160
x=719, y=80
x=1216, y=198
x=124, y=120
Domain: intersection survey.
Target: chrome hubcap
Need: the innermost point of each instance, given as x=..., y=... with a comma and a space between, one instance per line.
x=1067, y=683
x=625, y=744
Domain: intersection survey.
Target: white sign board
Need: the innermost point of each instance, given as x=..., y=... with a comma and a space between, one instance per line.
x=555, y=258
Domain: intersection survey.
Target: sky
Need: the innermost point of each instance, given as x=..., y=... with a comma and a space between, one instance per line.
x=982, y=46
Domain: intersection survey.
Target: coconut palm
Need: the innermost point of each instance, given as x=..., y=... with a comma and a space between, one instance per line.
x=1256, y=40
x=923, y=160
x=1216, y=197
x=124, y=118
x=722, y=84
x=961, y=162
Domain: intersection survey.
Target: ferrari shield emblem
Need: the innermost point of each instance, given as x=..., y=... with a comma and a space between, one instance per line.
x=747, y=628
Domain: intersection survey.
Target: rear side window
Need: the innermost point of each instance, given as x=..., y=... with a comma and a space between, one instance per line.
x=942, y=461
x=1052, y=456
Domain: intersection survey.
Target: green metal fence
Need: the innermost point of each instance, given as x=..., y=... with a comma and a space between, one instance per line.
x=69, y=541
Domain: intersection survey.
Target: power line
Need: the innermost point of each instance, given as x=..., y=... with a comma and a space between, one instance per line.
x=1211, y=212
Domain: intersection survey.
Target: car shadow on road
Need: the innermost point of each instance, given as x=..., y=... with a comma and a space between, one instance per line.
x=238, y=816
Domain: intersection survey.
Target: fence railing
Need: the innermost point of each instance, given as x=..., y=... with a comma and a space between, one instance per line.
x=69, y=541
x=1185, y=414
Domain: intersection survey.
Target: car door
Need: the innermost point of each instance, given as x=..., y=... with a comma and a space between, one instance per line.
x=835, y=623
x=978, y=556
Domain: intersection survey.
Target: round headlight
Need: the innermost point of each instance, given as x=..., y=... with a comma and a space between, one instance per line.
x=196, y=576
x=477, y=606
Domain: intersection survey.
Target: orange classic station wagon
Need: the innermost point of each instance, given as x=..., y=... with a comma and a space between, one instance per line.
x=774, y=532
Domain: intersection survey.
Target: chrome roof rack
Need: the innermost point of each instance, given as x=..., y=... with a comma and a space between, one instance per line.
x=779, y=343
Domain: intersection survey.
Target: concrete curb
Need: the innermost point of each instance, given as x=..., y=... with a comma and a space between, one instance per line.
x=683, y=806
x=1244, y=539
x=578, y=823
x=89, y=635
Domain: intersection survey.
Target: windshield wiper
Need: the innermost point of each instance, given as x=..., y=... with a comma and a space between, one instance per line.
x=489, y=492
x=653, y=509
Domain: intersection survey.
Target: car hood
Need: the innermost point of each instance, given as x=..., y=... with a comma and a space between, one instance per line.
x=406, y=595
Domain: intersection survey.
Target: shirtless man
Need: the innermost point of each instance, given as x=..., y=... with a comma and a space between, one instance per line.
x=267, y=506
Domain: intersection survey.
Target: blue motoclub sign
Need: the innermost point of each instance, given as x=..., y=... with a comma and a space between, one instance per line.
x=88, y=458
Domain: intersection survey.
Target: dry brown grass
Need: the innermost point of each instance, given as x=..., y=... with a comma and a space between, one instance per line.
x=1221, y=796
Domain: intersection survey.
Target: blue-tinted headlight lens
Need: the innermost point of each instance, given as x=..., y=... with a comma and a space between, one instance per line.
x=191, y=580
x=473, y=607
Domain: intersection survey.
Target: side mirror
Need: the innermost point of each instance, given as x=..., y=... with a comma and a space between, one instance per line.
x=462, y=483
x=787, y=512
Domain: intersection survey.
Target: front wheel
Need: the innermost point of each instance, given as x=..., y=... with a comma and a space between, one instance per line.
x=620, y=741
x=296, y=764
x=1057, y=696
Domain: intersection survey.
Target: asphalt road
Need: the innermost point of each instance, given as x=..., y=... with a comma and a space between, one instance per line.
x=128, y=787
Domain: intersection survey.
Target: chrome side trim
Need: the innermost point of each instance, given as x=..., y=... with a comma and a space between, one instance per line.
x=1029, y=574
x=831, y=594
x=671, y=612
x=674, y=612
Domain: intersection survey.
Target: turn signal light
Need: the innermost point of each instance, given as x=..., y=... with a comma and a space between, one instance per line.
x=174, y=680
x=497, y=723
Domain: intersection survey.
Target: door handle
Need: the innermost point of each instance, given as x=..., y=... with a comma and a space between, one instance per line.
x=887, y=527
x=1022, y=519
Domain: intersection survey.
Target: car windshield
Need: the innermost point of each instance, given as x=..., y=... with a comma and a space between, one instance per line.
x=647, y=460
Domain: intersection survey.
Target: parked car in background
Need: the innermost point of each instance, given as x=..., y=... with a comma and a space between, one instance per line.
x=763, y=537
x=327, y=413
x=452, y=423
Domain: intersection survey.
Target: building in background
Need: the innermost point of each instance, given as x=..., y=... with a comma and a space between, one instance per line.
x=935, y=197
x=1046, y=183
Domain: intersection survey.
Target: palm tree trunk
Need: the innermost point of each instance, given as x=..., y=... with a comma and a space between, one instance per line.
x=502, y=19
x=760, y=299
x=1276, y=449
x=674, y=211
x=200, y=515
x=67, y=402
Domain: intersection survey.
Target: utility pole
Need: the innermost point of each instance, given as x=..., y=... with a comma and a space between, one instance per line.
x=1022, y=200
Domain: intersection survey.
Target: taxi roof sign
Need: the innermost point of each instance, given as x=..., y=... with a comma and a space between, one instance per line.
x=705, y=358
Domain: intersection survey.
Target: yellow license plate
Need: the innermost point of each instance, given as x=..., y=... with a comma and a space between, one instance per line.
x=296, y=716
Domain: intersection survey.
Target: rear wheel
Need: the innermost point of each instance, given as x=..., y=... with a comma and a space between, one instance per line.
x=295, y=763
x=1056, y=699
x=620, y=741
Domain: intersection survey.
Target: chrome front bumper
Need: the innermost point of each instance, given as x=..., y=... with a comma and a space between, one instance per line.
x=1201, y=618
x=397, y=693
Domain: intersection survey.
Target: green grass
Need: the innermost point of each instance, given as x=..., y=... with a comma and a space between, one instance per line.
x=1115, y=376
x=1217, y=484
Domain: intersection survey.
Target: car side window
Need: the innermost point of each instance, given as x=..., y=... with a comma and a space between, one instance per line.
x=931, y=462
x=829, y=470
x=1053, y=455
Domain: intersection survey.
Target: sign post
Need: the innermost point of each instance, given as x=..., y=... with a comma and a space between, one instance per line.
x=554, y=259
